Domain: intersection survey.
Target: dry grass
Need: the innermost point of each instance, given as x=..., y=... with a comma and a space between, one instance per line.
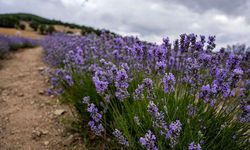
x=62, y=28
x=23, y=33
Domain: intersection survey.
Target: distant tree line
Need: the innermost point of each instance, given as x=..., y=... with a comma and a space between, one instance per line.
x=40, y=24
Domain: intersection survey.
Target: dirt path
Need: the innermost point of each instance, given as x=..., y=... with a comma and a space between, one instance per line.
x=29, y=118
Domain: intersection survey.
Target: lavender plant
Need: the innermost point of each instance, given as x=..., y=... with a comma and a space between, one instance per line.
x=147, y=96
x=12, y=43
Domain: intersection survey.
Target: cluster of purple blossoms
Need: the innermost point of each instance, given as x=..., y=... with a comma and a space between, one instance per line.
x=138, y=94
x=191, y=72
x=245, y=103
x=160, y=67
x=121, y=84
x=160, y=54
x=193, y=146
x=120, y=137
x=236, y=77
x=157, y=116
x=168, y=83
x=74, y=59
x=94, y=123
x=148, y=85
x=138, y=52
x=101, y=86
x=54, y=81
x=149, y=141
x=208, y=94
x=222, y=83
x=121, y=80
x=173, y=133
x=233, y=61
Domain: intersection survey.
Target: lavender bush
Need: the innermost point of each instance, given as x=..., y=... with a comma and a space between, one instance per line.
x=12, y=43
x=180, y=95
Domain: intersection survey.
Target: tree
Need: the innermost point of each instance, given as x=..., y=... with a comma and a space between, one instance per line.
x=34, y=25
x=42, y=29
x=50, y=29
x=22, y=26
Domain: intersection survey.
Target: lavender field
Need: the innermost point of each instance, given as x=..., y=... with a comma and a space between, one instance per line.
x=125, y=75
x=132, y=94
x=12, y=43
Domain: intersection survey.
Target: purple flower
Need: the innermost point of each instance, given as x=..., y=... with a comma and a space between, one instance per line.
x=138, y=52
x=122, y=94
x=152, y=108
x=125, y=66
x=211, y=43
x=160, y=66
x=193, y=146
x=208, y=94
x=50, y=92
x=138, y=94
x=169, y=82
x=69, y=80
x=96, y=128
x=95, y=119
x=54, y=81
x=121, y=84
x=233, y=61
x=160, y=54
x=119, y=136
x=94, y=112
x=101, y=86
x=149, y=141
x=174, y=132
x=158, y=117
x=121, y=79
x=148, y=85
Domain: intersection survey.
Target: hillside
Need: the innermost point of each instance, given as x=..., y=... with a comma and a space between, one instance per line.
x=37, y=23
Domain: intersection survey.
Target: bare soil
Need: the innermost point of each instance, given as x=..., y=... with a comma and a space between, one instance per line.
x=29, y=118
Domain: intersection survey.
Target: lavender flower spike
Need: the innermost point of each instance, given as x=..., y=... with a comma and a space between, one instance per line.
x=169, y=82
x=148, y=141
x=193, y=146
x=119, y=136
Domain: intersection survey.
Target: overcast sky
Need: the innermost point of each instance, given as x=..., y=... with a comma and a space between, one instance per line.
x=150, y=20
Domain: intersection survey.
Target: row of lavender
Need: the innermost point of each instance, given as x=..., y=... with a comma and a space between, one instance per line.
x=179, y=95
x=11, y=43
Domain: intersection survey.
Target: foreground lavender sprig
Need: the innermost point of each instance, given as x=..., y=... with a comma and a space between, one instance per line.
x=121, y=139
x=193, y=146
x=149, y=141
x=174, y=132
x=158, y=117
x=121, y=84
x=169, y=82
x=95, y=124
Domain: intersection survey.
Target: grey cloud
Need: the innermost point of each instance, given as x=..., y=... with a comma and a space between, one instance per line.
x=227, y=6
x=150, y=20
